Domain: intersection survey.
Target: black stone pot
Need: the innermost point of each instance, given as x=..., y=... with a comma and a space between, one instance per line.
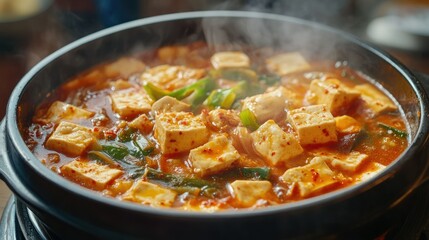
x=72, y=212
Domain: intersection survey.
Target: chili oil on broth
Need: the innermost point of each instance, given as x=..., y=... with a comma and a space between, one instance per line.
x=230, y=130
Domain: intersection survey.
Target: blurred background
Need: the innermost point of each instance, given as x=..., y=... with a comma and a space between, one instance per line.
x=32, y=29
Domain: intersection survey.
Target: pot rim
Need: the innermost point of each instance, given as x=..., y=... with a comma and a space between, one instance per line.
x=15, y=137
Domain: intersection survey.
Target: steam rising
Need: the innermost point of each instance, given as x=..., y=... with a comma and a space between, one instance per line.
x=257, y=32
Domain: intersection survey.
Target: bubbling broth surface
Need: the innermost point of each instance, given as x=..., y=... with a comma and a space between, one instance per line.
x=194, y=129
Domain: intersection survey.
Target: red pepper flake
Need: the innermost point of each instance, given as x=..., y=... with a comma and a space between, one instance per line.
x=208, y=150
x=273, y=153
x=325, y=132
x=315, y=175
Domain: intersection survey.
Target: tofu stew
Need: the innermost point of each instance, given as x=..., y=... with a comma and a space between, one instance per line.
x=192, y=128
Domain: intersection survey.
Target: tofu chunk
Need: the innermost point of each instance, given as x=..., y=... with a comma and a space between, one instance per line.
x=223, y=119
x=124, y=67
x=247, y=193
x=70, y=139
x=130, y=103
x=150, y=194
x=62, y=111
x=347, y=125
x=275, y=145
x=314, y=124
x=205, y=206
x=90, y=174
x=286, y=63
x=312, y=177
x=213, y=156
x=120, y=84
x=372, y=170
x=142, y=123
x=331, y=92
x=169, y=104
x=270, y=105
x=170, y=53
x=350, y=163
x=172, y=77
x=230, y=60
x=179, y=132
x=374, y=100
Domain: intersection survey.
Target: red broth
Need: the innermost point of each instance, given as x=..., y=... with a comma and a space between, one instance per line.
x=189, y=128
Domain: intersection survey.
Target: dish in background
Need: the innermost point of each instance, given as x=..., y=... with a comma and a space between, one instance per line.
x=402, y=28
x=18, y=18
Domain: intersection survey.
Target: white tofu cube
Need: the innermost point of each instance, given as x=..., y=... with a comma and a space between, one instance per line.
x=314, y=124
x=213, y=156
x=170, y=53
x=130, y=103
x=124, y=67
x=62, y=111
x=205, y=206
x=90, y=174
x=350, y=163
x=347, y=125
x=172, y=77
x=169, y=104
x=332, y=93
x=286, y=63
x=70, y=139
x=150, y=194
x=312, y=177
x=374, y=100
x=270, y=105
x=230, y=60
x=120, y=84
x=142, y=123
x=247, y=193
x=223, y=119
x=275, y=145
x=371, y=171
x=179, y=132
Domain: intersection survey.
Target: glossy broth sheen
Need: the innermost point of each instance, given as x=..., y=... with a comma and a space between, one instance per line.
x=195, y=129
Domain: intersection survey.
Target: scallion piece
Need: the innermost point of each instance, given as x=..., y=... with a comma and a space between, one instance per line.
x=269, y=79
x=178, y=181
x=235, y=74
x=248, y=119
x=261, y=173
x=155, y=92
x=223, y=98
x=202, y=87
x=101, y=157
x=115, y=152
x=395, y=131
